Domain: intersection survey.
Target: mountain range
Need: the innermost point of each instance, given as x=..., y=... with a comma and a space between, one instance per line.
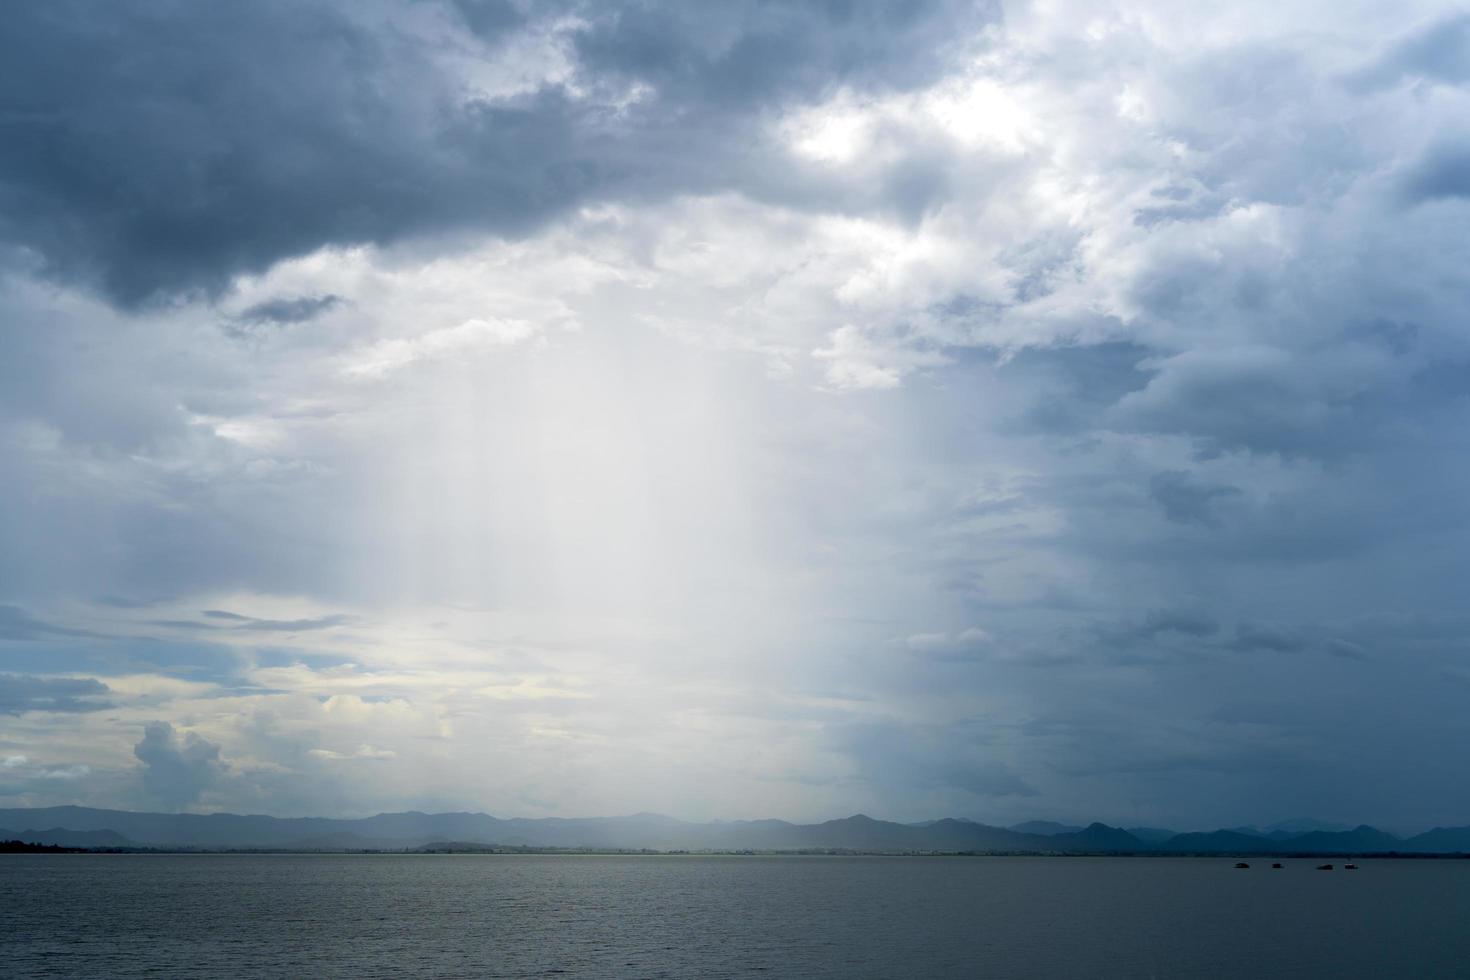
x=72, y=826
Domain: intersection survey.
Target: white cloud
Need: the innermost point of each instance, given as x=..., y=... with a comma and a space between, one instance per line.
x=363, y=751
x=855, y=361
x=468, y=339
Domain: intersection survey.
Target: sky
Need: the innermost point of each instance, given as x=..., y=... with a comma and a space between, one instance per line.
x=1036, y=409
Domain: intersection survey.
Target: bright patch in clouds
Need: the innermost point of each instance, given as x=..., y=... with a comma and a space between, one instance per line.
x=463, y=341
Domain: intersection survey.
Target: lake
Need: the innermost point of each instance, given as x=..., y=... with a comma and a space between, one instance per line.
x=240, y=916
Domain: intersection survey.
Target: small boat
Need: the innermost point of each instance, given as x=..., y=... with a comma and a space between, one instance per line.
x=1324, y=867
x=1276, y=864
x=1350, y=867
x=1241, y=864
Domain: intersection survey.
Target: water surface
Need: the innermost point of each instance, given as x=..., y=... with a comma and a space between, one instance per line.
x=242, y=916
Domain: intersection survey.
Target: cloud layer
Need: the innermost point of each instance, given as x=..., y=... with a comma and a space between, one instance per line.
x=378, y=122
x=1041, y=409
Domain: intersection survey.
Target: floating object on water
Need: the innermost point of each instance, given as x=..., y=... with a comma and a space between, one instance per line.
x=1324, y=867
x=1241, y=864
x=1350, y=867
x=1276, y=864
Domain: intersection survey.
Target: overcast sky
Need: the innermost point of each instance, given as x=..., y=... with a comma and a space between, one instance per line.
x=1027, y=409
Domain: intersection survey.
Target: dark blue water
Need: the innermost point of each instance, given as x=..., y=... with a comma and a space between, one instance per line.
x=533, y=916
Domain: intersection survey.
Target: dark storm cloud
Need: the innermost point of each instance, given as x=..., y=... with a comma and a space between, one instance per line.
x=491, y=18
x=297, y=310
x=1443, y=172
x=1248, y=398
x=1065, y=389
x=1190, y=622
x=177, y=767
x=1438, y=50
x=724, y=58
x=1185, y=500
x=1265, y=636
x=1139, y=640
x=1347, y=649
x=20, y=693
x=153, y=148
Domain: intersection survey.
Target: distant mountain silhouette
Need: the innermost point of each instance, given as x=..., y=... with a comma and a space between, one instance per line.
x=1224, y=841
x=1441, y=840
x=1290, y=829
x=1047, y=827
x=1359, y=840
x=1303, y=825
x=644, y=830
x=1152, y=835
x=1099, y=837
x=930, y=823
x=84, y=827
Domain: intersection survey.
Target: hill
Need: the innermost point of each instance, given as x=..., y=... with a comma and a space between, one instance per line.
x=100, y=828
x=72, y=826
